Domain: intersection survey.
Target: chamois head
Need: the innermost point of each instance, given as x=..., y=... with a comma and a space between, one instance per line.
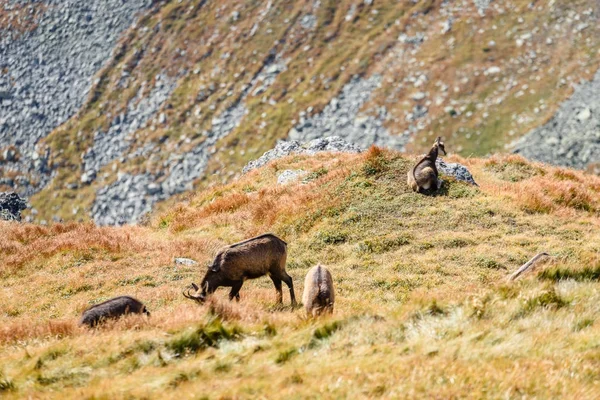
x=200, y=298
x=440, y=145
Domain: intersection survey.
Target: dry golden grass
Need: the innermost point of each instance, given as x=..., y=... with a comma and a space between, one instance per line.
x=422, y=304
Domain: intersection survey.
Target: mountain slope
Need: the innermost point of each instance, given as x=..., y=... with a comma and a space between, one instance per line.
x=196, y=89
x=422, y=303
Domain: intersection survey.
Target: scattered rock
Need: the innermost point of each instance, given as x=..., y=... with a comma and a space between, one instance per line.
x=127, y=199
x=49, y=72
x=342, y=117
x=289, y=176
x=188, y=262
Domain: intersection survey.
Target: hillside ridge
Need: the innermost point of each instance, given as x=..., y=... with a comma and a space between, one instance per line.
x=194, y=90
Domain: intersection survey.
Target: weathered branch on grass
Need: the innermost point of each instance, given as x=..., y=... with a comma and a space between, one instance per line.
x=525, y=267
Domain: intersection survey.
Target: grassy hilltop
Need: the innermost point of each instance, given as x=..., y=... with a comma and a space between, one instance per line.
x=423, y=306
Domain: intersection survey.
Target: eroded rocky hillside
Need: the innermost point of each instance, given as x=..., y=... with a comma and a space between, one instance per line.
x=108, y=109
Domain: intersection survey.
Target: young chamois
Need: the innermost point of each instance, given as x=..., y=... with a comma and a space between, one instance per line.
x=318, y=294
x=423, y=177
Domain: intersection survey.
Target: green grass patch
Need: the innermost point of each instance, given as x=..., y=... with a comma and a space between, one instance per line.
x=285, y=356
x=514, y=169
x=561, y=273
x=200, y=338
x=548, y=299
x=383, y=244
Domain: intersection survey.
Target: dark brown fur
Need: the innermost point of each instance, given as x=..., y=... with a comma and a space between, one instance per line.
x=112, y=309
x=250, y=259
x=423, y=177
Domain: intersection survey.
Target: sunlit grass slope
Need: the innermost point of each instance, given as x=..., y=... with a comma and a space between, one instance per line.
x=422, y=303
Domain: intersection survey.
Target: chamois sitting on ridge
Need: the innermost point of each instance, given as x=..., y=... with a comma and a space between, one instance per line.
x=423, y=177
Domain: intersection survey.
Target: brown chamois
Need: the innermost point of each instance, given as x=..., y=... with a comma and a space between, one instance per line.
x=112, y=309
x=423, y=177
x=261, y=255
x=318, y=294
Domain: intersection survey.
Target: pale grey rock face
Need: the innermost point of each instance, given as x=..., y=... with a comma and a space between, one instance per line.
x=572, y=137
x=113, y=144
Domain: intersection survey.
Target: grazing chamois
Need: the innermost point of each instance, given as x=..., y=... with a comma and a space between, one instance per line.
x=318, y=294
x=423, y=177
x=112, y=309
x=250, y=259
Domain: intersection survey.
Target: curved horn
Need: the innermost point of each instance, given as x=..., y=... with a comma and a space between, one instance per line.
x=188, y=295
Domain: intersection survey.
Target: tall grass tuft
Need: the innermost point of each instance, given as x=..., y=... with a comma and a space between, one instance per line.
x=202, y=337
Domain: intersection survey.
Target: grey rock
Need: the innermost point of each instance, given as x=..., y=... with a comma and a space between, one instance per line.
x=308, y=22
x=289, y=176
x=11, y=205
x=114, y=143
x=188, y=262
x=482, y=5
x=458, y=171
x=126, y=200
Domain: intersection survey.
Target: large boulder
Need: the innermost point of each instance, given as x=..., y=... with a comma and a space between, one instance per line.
x=285, y=148
x=11, y=205
x=458, y=171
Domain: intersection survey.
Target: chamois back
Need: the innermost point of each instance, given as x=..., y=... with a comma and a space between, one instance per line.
x=318, y=296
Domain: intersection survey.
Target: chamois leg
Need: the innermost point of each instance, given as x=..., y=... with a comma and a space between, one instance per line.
x=290, y=284
x=277, y=283
x=235, y=290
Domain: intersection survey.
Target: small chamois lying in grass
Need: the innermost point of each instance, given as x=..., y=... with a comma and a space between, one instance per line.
x=112, y=309
x=423, y=177
x=318, y=294
x=250, y=259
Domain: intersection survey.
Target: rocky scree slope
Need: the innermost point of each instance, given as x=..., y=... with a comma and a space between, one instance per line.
x=196, y=89
x=572, y=137
x=47, y=65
